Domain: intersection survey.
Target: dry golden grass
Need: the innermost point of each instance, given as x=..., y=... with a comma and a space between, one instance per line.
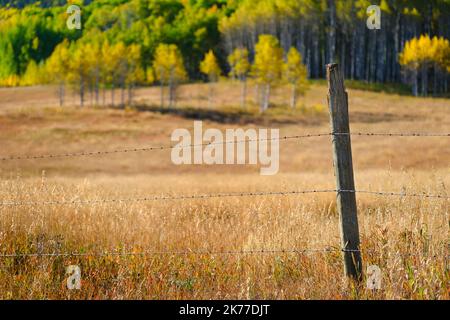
x=406, y=237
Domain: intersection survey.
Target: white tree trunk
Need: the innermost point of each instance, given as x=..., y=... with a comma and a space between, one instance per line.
x=61, y=94
x=244, y=93
x=162, y=95
x=294, y=96
x=266, y=99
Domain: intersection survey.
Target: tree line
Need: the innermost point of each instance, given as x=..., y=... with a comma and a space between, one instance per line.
x=91, y=68
x=335, y=31
x=321, y=31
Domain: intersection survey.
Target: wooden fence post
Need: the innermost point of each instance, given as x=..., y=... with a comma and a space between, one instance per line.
x=343, y=167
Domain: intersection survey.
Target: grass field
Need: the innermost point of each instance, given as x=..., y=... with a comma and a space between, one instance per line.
x=408, y=238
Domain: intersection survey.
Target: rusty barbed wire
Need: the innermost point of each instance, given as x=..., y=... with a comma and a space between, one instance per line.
x=398, y=194
x=216, y=195
x=393, y=134
x=153, y=253
x=329, y=249
x=155, y=148
x=168, y=198
x=169, y=147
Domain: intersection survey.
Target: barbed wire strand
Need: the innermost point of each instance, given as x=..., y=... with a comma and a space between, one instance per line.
x=394, y=134
x=398, y=194
x=147, y=253
x=168, y=147
x=205, y=196
x=162, y=147
x=168, y=198
x=196, y=252
x=218, y=195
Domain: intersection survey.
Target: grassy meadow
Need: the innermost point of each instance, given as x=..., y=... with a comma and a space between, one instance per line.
x=408, y=238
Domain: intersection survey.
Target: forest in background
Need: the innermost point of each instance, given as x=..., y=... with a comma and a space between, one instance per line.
x=320, y=30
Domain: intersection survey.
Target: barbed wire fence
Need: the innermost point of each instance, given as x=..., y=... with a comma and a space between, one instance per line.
x=170, y=147
x=218, y=195
x=205, y=196
x=146, y=253
x=265, y=251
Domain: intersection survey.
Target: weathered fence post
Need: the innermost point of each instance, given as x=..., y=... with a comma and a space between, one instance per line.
x=343, y=167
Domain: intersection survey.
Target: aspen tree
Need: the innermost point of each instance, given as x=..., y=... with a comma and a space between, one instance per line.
x=117, y=68
x=106, y=70
x=210, y=67
x=240, y=67
x=295, y=73
x=169, y=69
x=135, y=73
x=268, y=66
x=80, y=69
x=419, y=54
x=57, y=68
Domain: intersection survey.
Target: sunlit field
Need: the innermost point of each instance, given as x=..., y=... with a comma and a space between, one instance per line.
x=243, y=247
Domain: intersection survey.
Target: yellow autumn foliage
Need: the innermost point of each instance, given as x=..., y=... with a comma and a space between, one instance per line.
x=168, y=63
x=210, y=66
x=268, y=65
x=239, y=63
x=425, y=50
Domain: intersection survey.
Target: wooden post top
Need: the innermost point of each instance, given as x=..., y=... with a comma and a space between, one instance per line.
x=334, y=78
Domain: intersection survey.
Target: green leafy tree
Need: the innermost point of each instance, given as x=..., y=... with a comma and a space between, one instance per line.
x=33, y=75
x=150, y=76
